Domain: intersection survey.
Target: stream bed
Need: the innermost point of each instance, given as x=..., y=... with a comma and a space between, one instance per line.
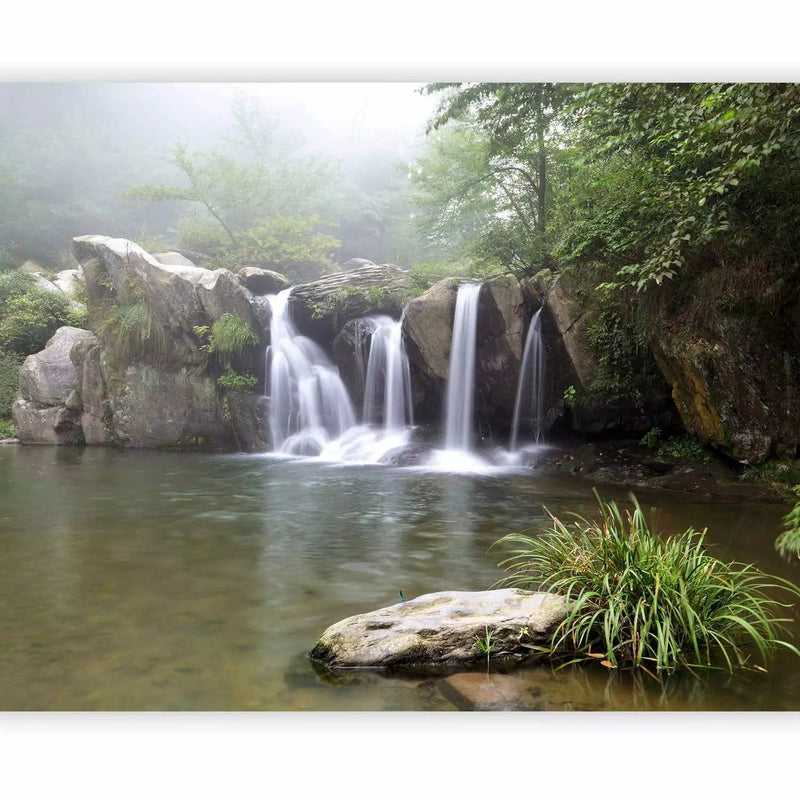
x=135, y=580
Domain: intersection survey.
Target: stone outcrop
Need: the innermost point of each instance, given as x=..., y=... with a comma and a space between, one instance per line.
x=320, y=309
x=735, y=384
x=504, y=313
x=48, y=408
x=163, y=393
x=351, y=354
x=262, y=281
x=443, y=629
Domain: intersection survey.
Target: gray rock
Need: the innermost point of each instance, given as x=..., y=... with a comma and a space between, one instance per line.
x=180, y=297
x=262, y=281
x=48, y=377
x=164, y=407
x=70, y=282
x=249, y=416
x=356, y=263
x=45, y=284
x=351, y=354
x=441, y=628
x=320, y=309
x=36, y=424
x=175, y=259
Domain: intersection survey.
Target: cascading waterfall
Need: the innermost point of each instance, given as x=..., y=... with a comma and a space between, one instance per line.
x=530, y=385
x=387, y=399
x=461, y=378
x=309, y=404
x=387, y=387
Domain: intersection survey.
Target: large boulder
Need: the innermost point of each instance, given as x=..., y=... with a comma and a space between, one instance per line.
x=84, y=388
x=504, y=313
x=320, y=309
x=178, y=297
x=570, y=311
x=427, y=334
x=262, y=281
x=443, y=628
x=48, y=408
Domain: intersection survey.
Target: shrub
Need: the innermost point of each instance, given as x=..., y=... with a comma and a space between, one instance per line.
x=233, y=381
x=685, y=448
x=9, y=381
x=228, y=337
x=29, y=316
x=7, y=430
x=788, y=543
x=651, y=439
x=642, y=601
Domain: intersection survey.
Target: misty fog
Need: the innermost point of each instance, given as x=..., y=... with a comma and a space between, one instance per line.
x=70, y=154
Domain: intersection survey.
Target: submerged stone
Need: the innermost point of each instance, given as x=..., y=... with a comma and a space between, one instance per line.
x=444, y=628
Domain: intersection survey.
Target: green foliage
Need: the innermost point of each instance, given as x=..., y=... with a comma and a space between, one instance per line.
x=788, y=543
x=685, y=448
x=485, y=645
x=779, y=474
x=29, y=316
x=233, y=381
x=513, y=171
x=370, y=297
x=295, y=247
x=228, y=338
x=674, y=168
x=570, y=397
x=7, y=430
x=652, y=439
x=9, y=381
x=625, y=367
x=258, y=201
x=638, y=600
x=133, y=333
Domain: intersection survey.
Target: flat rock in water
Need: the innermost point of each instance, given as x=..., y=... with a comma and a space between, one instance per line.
x=442, y=629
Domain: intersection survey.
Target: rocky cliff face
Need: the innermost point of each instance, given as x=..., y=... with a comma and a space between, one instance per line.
x=504, y=312
x=146, y=378
x=736, y=383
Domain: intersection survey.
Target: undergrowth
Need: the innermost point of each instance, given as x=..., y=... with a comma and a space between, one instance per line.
x=637, y=600
x=132, y=332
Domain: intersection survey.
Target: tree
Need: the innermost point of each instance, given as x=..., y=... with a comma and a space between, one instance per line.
x=249, y=196
x=702, y=164
x=520, y=124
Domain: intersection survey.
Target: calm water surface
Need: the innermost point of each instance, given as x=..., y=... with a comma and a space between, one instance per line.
x=164, y=581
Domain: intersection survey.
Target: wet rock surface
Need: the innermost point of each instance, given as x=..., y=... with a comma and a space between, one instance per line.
x=442, y=629
x=321, y=308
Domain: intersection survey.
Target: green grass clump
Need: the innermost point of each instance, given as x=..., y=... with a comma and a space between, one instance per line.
x=228, y=337
x=637, y=600
x=134, y=334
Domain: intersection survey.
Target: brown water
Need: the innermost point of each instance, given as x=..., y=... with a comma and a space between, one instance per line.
x=162, y=581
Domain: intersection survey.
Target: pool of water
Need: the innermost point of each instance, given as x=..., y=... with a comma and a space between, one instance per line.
x=165, y=581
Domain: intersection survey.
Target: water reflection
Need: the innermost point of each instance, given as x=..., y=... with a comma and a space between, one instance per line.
x=135, y=580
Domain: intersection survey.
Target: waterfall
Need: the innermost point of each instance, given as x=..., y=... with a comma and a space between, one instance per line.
x=387, y=387
x=530, y=384
x=309, y=404
x=461, y=378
